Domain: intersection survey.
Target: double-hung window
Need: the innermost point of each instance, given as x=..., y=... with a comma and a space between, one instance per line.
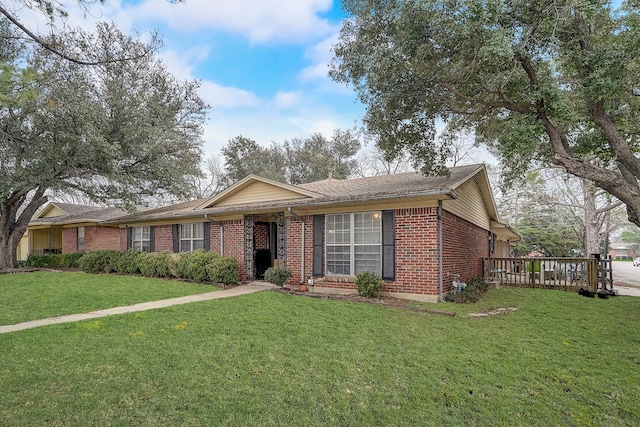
x=141, y=239
x=191, y=237
x=353, y=243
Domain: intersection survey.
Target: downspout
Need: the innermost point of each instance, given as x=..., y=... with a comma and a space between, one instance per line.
x=440, y=257
x=302, y=239
x=221, y=239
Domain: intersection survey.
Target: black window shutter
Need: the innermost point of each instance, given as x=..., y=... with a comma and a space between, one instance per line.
x=129, y=231
x=388, y=245
x=207, y=235
x=152, y=238
x=318, y=245
x=176, y=240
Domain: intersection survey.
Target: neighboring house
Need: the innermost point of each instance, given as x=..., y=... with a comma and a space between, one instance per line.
x=415, y=231
x=622, y=251
x=68, y=228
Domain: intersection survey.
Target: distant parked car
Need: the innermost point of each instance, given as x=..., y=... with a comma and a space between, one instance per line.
x=636, y=262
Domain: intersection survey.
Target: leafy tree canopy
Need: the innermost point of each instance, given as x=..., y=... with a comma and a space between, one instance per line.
x=298, y=161
x=117, y=132
x=538, y=82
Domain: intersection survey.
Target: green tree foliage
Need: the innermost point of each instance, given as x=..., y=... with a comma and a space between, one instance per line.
x=298, y=161
x=117, y=132
x=244, y=156
x=544, y=216
x=12, y=10
x=631, y=235
x=537, y=81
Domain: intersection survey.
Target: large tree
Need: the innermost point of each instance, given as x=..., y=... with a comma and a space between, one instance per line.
x=543, y=81
x=298, y=161
x=117, y=133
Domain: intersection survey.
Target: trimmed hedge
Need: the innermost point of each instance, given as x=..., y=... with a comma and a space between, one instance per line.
x=157, y=264
x=200, y=265
x=224, y=270
x=96, y=262
x=193, y=265
x=129, y=262
x=54, y=261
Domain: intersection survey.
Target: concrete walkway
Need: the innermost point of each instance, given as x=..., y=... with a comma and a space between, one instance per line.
x=238, y=290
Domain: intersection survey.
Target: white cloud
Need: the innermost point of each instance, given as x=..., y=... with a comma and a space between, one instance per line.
x=287, y=99
x=227, y=97
x=266, y=126
x=182, y=64
x=320, y=55
x=258, y=20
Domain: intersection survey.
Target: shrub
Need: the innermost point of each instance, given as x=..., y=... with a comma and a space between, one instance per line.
x=193, y=265
x=104, y=261
x=70, y=260
x=38, y=261
x=476, y=287
x=156, y=264
x=129, y=262
x=369, y=284
x=277, y=276
x=224, y=270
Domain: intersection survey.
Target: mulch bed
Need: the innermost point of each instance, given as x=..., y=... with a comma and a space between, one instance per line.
x=384, y=301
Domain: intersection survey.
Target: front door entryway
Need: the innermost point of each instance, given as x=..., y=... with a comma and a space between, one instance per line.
x=265, y=242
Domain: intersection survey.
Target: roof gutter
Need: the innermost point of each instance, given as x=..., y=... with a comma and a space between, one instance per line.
x=305, y=203
x=290, y=209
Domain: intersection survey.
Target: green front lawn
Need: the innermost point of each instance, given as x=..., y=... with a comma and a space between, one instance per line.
x=274, y=359
x=31, y=296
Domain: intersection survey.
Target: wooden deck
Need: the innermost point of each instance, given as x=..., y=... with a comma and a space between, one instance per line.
x=569, y=274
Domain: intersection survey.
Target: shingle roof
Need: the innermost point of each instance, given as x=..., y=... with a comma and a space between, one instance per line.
x=329, y=191
x=401, y=183
x=80, y=213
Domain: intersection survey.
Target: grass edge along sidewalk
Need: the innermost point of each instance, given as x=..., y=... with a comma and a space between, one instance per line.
x=151, y=305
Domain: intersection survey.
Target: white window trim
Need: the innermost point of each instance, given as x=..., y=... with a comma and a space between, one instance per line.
x=140, y=242
x=352, y=244
x=191, y=239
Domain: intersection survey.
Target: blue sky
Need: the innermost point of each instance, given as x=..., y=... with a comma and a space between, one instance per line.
x=263, y=63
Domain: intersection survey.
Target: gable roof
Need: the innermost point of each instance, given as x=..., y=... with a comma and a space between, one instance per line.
x=283, y=191
x=255, y=194
x=73, y=213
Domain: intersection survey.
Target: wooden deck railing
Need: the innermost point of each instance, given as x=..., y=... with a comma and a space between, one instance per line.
x=554, y=273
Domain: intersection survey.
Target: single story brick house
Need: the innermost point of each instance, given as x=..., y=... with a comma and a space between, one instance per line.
x=69, y=228
x=415, y=231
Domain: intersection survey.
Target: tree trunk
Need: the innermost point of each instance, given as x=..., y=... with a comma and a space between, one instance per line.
x=8, y=255
x=591, y=225
x=15, y=213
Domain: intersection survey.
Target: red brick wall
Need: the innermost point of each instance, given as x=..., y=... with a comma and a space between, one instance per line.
x=100, y=237
x=96, y=238
x=464, y=244
x=417, y=257
x=416, y=238
x=69, y=240
x=234, y=243
x=214, y=238
x=163, y=238
x=261, y=233
x=294, y=248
